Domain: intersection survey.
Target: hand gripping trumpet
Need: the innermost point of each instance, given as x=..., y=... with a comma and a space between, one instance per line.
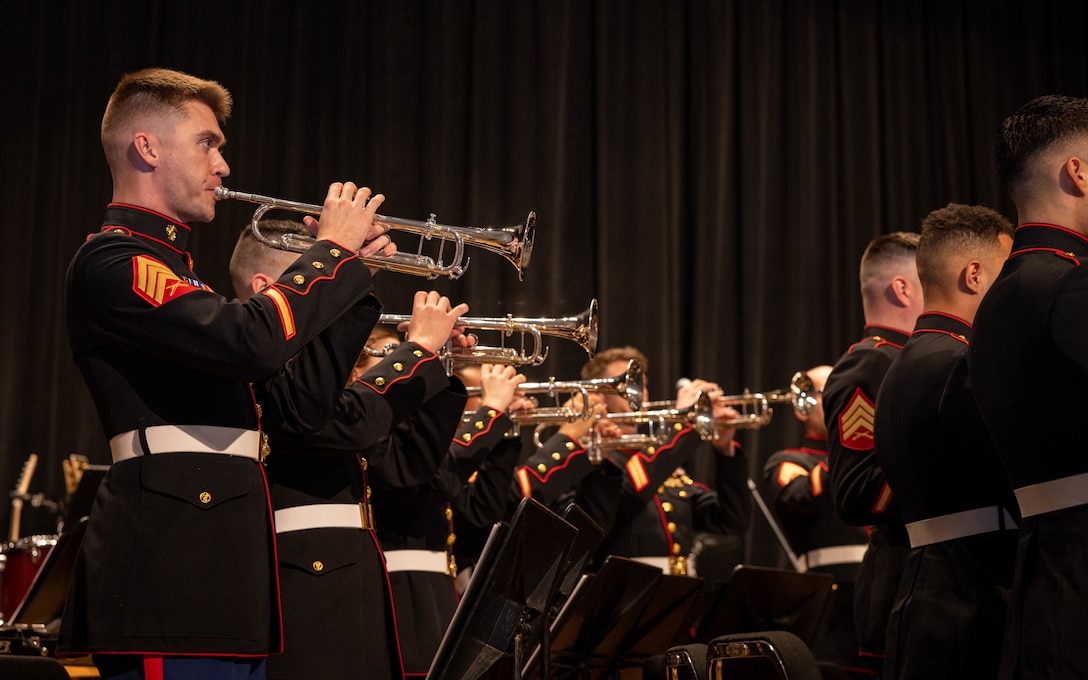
x=514, y=243
x=660, y=423
x=629, y=385
x=581, y=329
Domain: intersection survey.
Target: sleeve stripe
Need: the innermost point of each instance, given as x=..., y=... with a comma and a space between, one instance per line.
x=287, y=317
x=635, y=469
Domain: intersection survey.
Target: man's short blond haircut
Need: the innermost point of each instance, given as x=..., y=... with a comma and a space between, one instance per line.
x=158, y=92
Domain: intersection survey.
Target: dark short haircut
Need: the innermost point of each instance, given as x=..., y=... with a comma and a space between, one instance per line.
x=597, y=367
x=1036, y=127
x=954, y=231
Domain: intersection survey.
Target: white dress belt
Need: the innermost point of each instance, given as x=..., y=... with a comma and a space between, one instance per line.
x=232, y=441
x=322, y=516
x=959, y=525
x=1056, y=494
x=417, y=560
x=835, y=554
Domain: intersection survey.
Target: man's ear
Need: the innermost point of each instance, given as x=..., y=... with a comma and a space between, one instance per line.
x=145, y=147
x=1076, y=172
x=259, y=282
x=902, y=291
x=972, y=276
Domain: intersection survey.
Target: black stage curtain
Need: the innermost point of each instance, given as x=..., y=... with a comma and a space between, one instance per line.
x=709, y=170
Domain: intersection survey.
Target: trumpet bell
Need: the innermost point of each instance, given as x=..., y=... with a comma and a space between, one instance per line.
x=514, y=243
x=634, y=385
x=803, y=393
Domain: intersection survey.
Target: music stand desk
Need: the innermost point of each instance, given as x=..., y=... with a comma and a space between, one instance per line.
x=514, y=579
x=765, y=598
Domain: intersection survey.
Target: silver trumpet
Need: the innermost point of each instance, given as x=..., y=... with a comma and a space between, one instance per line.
x=581, y=329
x=629, y=385
x=513, y=243
x=661, y=426
x=755, y=409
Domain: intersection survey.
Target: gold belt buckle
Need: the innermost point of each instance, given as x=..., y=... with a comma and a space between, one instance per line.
x=678, y=565
x=265, y=449
x=366, y=515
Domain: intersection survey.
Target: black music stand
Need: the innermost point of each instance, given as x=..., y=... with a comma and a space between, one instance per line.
x=596, y=620
x=32, y=629
x=516, y=575
x=41, y=609
x=78, y=506
x=585, y=544
x=660, y=624
x=537, y=632
x=43, y=604
x=764, y=598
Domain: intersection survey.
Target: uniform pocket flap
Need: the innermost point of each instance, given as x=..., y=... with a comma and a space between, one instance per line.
x=203, y=480
x=317, y=552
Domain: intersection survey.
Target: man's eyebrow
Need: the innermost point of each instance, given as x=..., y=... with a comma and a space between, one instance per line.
x=213, y=135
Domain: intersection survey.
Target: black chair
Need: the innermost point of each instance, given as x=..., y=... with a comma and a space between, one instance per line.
x=764, y=655
x=684, y=662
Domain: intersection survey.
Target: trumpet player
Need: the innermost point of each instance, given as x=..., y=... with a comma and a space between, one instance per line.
x=486, y=448
x=642, y=496
x=177, y=570
x=337, y=616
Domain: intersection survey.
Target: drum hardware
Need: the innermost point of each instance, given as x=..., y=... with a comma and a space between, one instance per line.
x=21, y=560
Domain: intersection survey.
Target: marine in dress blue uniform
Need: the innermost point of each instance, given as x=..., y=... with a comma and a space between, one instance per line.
x=949, y=617
x=892, y=299
x=176, y=574
x=862, y=495
x=337, y=604
x=171, y=373
x=1028, y=340
x=960, y=514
